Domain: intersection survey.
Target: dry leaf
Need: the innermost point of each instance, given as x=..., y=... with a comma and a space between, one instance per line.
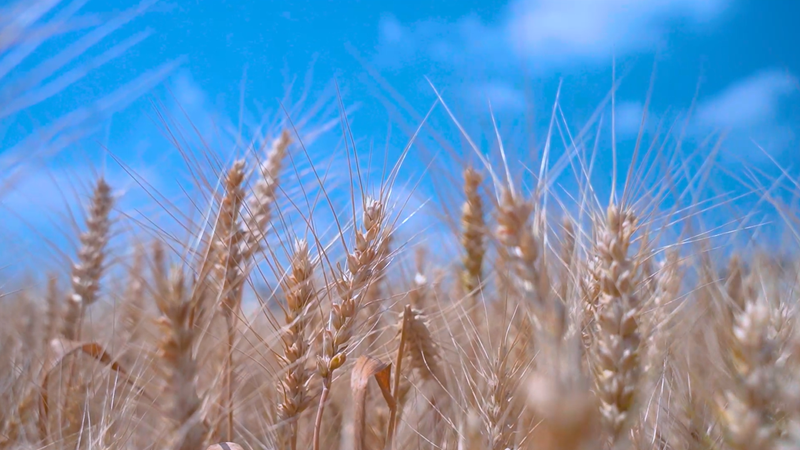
x=365, y=368
x=60, y=349
x=225, y=446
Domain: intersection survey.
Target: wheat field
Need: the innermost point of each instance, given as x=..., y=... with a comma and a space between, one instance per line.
x=562, y=321
x=548, y=332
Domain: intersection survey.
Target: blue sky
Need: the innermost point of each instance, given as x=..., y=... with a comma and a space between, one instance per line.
x=228, y=64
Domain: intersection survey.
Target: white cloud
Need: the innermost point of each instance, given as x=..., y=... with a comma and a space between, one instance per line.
x=594, y=29
x=628, y=118
x=536, y=36
x=456, y=43
x=503, y=97
x=391, y=30
x=192, y=109
x=546, y=32
x=747, y=103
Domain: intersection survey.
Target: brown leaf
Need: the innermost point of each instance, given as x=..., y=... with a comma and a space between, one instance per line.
x=60, y=349
x=393, y=405
x=365, y=368
x=225, y=446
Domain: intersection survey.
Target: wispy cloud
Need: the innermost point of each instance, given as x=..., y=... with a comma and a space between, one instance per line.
x=435, y=41
x=502, y=96
x=569, y=30
x=546, y=33
x=628, y=117
x=751, y=102
x=536, y=38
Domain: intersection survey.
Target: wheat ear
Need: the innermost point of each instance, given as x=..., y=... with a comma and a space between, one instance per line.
x=473, y=234
x=617, y=337
x=179, y=331
x=229, y=269
x=133, y=303
x=749, y=416
x=667, y=285
x=293, y=388
x=259, y=205
x=350, y=285
x=89, y=267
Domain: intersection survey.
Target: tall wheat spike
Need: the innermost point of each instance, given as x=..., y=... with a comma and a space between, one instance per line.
x=294, y=396
x=350, y=284
x=179, y=313
x=617, y=357
x=230, y=261
x=89, y=266
x=473, y=234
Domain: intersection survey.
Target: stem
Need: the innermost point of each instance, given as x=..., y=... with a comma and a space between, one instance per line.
x=79, y=325
x=318, y=421
x=293, y=437
x=396, y=382
x=229, y=378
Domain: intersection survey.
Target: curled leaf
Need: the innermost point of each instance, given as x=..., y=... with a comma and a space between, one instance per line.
x=225, y=446
x=365, y=368
x=62, y=348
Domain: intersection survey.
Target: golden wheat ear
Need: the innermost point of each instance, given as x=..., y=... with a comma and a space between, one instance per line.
x=473, y=235
x=89, y=266
x=230, y=279
x=179, y=333
x=749, y=407
x=350, y=286
x=617, y=338
x=293, y=390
